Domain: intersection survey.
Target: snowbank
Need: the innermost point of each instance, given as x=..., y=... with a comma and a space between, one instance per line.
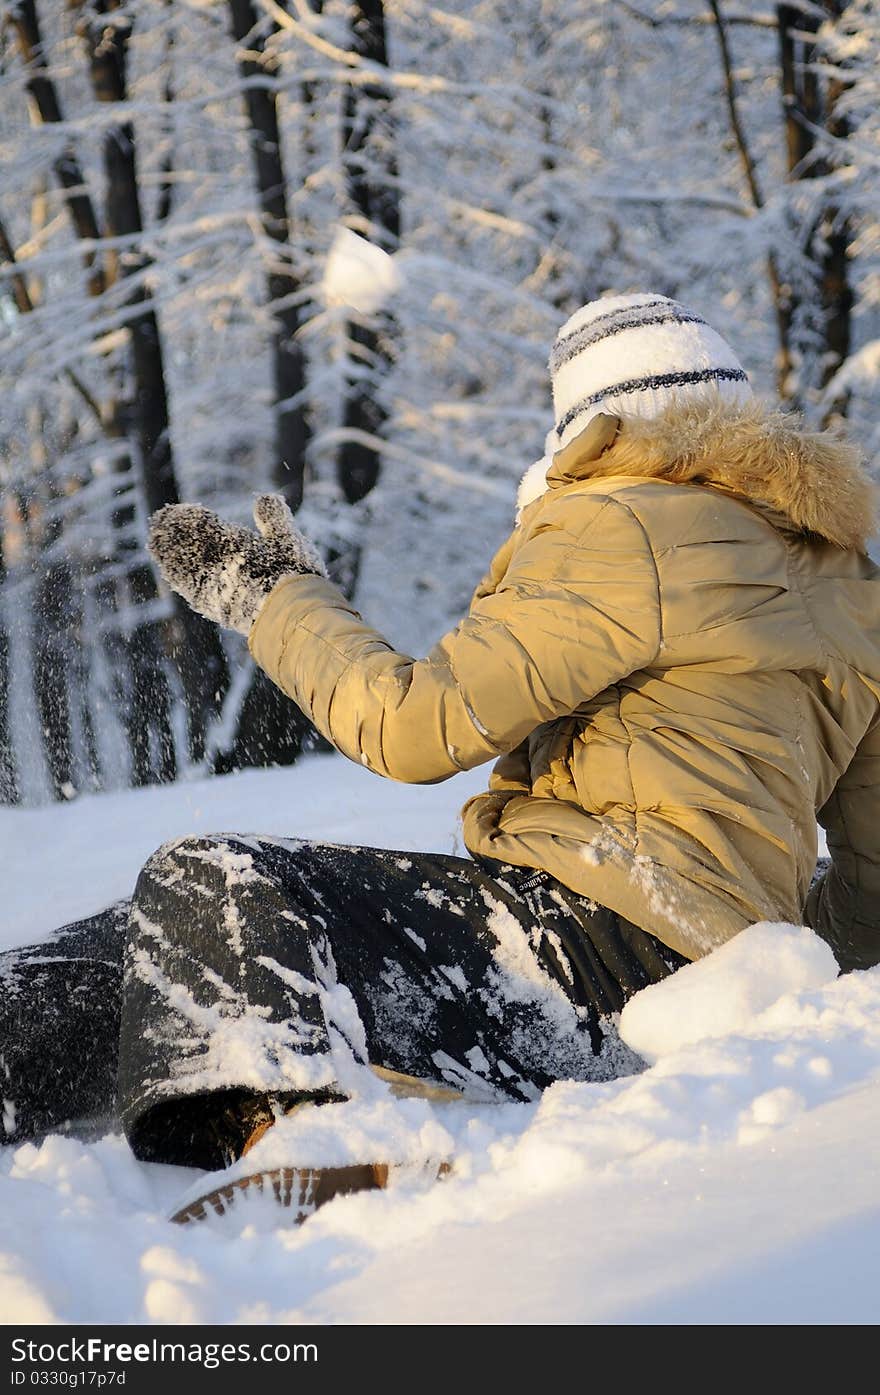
x=64, y=861
x=726, y=991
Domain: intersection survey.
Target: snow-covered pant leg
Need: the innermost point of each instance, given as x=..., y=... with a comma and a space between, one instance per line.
x=59, y=1027
x=283, y=967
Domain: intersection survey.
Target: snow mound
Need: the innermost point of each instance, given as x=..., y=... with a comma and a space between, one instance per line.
x=695, y=1191
x=726, y=991
x=358, y=274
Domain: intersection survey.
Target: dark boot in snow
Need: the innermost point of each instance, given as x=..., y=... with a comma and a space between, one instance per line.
x=302, y=1189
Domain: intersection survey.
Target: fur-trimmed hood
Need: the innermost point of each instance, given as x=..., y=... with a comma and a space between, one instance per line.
x=809, y=482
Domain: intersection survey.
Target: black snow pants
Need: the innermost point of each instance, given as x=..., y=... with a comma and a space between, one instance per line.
x=265, y=968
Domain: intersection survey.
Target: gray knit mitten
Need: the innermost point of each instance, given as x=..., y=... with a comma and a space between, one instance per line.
x=225, y=572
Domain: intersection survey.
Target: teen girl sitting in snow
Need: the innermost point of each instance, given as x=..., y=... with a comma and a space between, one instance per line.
x=673, y=661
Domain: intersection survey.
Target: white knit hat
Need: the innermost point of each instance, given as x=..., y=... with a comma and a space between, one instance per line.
x=633, y=355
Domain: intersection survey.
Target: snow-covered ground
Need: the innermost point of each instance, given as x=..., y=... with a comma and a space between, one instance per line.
x=734, y=1180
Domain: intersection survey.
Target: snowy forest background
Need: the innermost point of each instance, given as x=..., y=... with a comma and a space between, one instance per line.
x=173, y=174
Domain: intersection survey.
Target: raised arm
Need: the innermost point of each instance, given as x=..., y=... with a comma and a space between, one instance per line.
x=575, y=610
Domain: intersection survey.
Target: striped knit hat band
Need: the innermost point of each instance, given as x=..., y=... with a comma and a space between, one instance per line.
x=634, y=355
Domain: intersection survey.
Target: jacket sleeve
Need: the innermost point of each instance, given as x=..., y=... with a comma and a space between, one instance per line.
x=844, y=905
x=576, y=609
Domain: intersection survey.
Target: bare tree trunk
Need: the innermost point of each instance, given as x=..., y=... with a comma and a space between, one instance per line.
x=197, y=646
x=67, y=169
x=371, y=181
x=780, y=287
x=49, y=621
x=9, y=790
x=257, y=64
x=138, y=660
x=822, y=308
x=165, y=197
x=52, y=596
x=59, y=659
x=837, y=305
x=837, y=293
x=269, y=727
x=51, y=686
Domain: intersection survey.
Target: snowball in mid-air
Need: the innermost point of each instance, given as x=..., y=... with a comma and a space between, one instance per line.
x=358, y=274
x=721, y=993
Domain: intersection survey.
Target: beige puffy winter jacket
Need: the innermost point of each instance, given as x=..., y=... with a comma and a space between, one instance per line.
x=676, y=655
